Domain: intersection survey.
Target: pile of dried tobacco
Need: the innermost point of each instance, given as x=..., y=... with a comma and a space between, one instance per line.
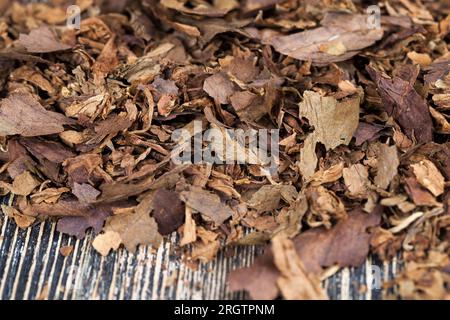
x=361, y=102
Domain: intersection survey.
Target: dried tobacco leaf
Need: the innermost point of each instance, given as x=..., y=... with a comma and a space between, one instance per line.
x=42, y=40
x=294, y=282
x=429, y=176
x=208, y=204
x=341, y=37
x=131, y=229
x=356, y=179
x=168, y=211
x=402, y=101
x=219, y=87
x=387, y=164
x=334, y=124
x=268, y=197
x=85, y=192
x=418, y=194
x=22, y=114
x=346, y=244
x=78, y=226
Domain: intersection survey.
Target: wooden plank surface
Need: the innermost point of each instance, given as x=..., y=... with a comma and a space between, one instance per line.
x=31, y=267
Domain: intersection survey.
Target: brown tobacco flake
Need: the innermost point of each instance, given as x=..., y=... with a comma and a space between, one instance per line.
x=85, y=192
x=22, y=114
x=66, y=251
x=208, y=204
x=42, y=40
x=168, y=211
x=219, y=87
x=349, y=34
x=334, y=124
x=78, y=226
x=429, y=176
x=23, y=221
x=402, y=101
x=267, y=198
x=24, y=184
x=356, y=179
x=130, y=229
x=387, y=164
x=418, y=194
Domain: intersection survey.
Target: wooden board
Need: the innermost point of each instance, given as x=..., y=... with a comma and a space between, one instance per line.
x=31, y=267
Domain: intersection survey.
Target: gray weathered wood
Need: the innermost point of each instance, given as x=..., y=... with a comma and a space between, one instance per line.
x=31, y=265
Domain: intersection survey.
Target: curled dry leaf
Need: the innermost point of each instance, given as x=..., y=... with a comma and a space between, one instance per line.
x=419, y=195
x=334, y=124
x=429, y=176
x=402, y=101
x=189, y=229
x=168, y=211
x=208, y=204
x=23, y=221
x=130, y=229
x=341, y=36
x=356, y=179
x=22, y=114
x=42, y=40
x=268, y=197
x=294, y=282
x=24, y=184
x=324, y=206
x=219, y=87
x=331, y=174
x=387, y=164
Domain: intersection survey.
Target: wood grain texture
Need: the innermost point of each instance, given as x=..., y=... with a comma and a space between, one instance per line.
x=32, y=267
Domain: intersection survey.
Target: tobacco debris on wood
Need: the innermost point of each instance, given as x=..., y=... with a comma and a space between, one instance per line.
x=89, y=117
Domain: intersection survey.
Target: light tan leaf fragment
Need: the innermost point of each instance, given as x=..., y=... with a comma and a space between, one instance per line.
x=189, y=229
x=429, y=176
x=208, y=204
x=294, y=282
x=268, y=197
x=324, y=206
x=24, y=184
x=131, y=229
x=387, y=164
x=205, y=252
x=66, y=251
x=331, y=174
x=105, y=242
x=23, y=221
x=334, y=124
x=356, y=179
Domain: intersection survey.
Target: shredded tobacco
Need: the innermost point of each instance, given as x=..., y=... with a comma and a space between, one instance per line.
x=89, y=115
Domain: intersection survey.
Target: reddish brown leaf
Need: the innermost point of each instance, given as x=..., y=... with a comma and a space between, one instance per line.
x=168, y=211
